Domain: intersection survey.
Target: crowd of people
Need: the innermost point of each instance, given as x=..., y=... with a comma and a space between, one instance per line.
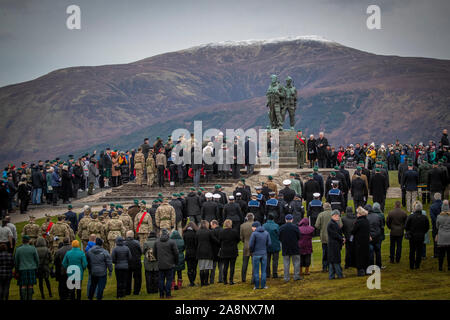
x=201, y=231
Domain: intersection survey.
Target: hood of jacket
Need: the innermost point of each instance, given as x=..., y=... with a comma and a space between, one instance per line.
x=119, y=241
x=260, y=229
x=96, y=249
x=40, y=242
x=175, y=235
x=304, y=222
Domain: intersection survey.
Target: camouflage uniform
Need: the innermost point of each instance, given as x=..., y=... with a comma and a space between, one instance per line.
x=151, y=170
x=95, y=226
x=44, y=231
x=83, y=232
x=165, y=217
x=60, y=230
x=127, y=221
x=32, y=230
x=139, y=162
x=300, y=148
x=145, y=228
x=114, y=228
x=71, y=233
x=104, y=219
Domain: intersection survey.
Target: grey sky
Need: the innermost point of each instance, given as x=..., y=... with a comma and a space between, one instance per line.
x=34, y=39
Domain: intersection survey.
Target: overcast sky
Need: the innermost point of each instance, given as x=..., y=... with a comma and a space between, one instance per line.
x=34, y=39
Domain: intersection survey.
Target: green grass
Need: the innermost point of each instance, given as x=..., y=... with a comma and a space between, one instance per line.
x=397, y=281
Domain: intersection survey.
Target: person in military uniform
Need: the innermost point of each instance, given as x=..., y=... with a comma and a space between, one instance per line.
x=275, y=96
x=139, y=162
x=165, y=216
x=114, y=228
x=134, y=209
x=143, y=224
x=32, y=230
x=300, y=148
x=104, y=221
x=95, y=226
x=127, y=221
x=58, y=232
x=83, y=232
x=71, y=232
x=272, y=185
x=150, y=165
x=290, y=102
x=45, y=229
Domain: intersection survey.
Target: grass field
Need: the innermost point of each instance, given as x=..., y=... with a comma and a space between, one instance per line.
x=397, y=281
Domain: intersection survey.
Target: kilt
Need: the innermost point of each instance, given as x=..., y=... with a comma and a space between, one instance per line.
x=108, y=173
x=205, y=264
x=27, y=278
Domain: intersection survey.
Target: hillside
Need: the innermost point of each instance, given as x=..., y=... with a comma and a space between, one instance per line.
x=351, y=94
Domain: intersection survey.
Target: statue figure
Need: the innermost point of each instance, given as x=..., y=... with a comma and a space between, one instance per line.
x=275, y=95
x=289, y=102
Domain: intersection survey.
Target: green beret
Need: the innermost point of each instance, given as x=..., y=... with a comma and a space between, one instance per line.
x=160, y=194
x=333, y=173
x=119, y=206
x=361, y=162
x=242, y=179
x=292, y=174
x=270, y=177
x=155, y=201
x=336, y=168
x=175, y=194
x=136, y=201
x=201, y=188
x=310, y=175
x=111, y=204
x=192, y=189
x=316, y=169
x=358, y=168
x=377, y=170
x=181, y=193
x=143, y=202
x=26, y=237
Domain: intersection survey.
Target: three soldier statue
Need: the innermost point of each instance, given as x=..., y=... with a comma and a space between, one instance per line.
x=281, y=100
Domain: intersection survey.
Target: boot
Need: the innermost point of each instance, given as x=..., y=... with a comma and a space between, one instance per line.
x=173, y=285
x=180, y=283
x=301, y=271
x=23, y=293
x=307, y=271
x=30, y=294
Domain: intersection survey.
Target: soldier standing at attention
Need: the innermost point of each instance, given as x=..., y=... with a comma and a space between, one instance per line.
x=165, y=216
x=58, y=232
x=127, y=221
x=83, y=233
x=32, y=230
x=151, y=169
x=272, y=185
x=139, y=161
x=134, y=209
x=45, y=229
x=95, y=226
x=161, y=165
x=144, y=225
x=300, y=148
x=114, y=228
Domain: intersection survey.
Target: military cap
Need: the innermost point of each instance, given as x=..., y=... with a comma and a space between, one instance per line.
x=258, y=188
x=94, y=215
x=377, y=170
x=201, y=188
x=192, y=189
x=174, y=194
x=231, y=197
x=155, y=201
x=25, y=237
x=358, y=168
x=216, y=196
x=143, y=202
x=270, y=177
x=316, y=169
x=111, y=205
x=242, y=179
x=69, y=206
x=254, y=194
x=336, y=168
x=160, y=194
x=310, y=175
x=289, y=217
x=292, y=174
x=333, y=173
x=136, y=201
x=361, y=162
x=286, y=182
x=316, y=195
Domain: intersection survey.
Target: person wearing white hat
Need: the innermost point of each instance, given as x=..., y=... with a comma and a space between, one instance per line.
x=232, y=211
x=287, y=192
x=210, y=209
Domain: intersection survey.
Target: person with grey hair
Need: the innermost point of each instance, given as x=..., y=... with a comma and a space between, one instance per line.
x=322, y=143
x=443, y=235
x=321, y=224
x=435, y=210
x=134, y=265
x=416, y=227
x=335, y=241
